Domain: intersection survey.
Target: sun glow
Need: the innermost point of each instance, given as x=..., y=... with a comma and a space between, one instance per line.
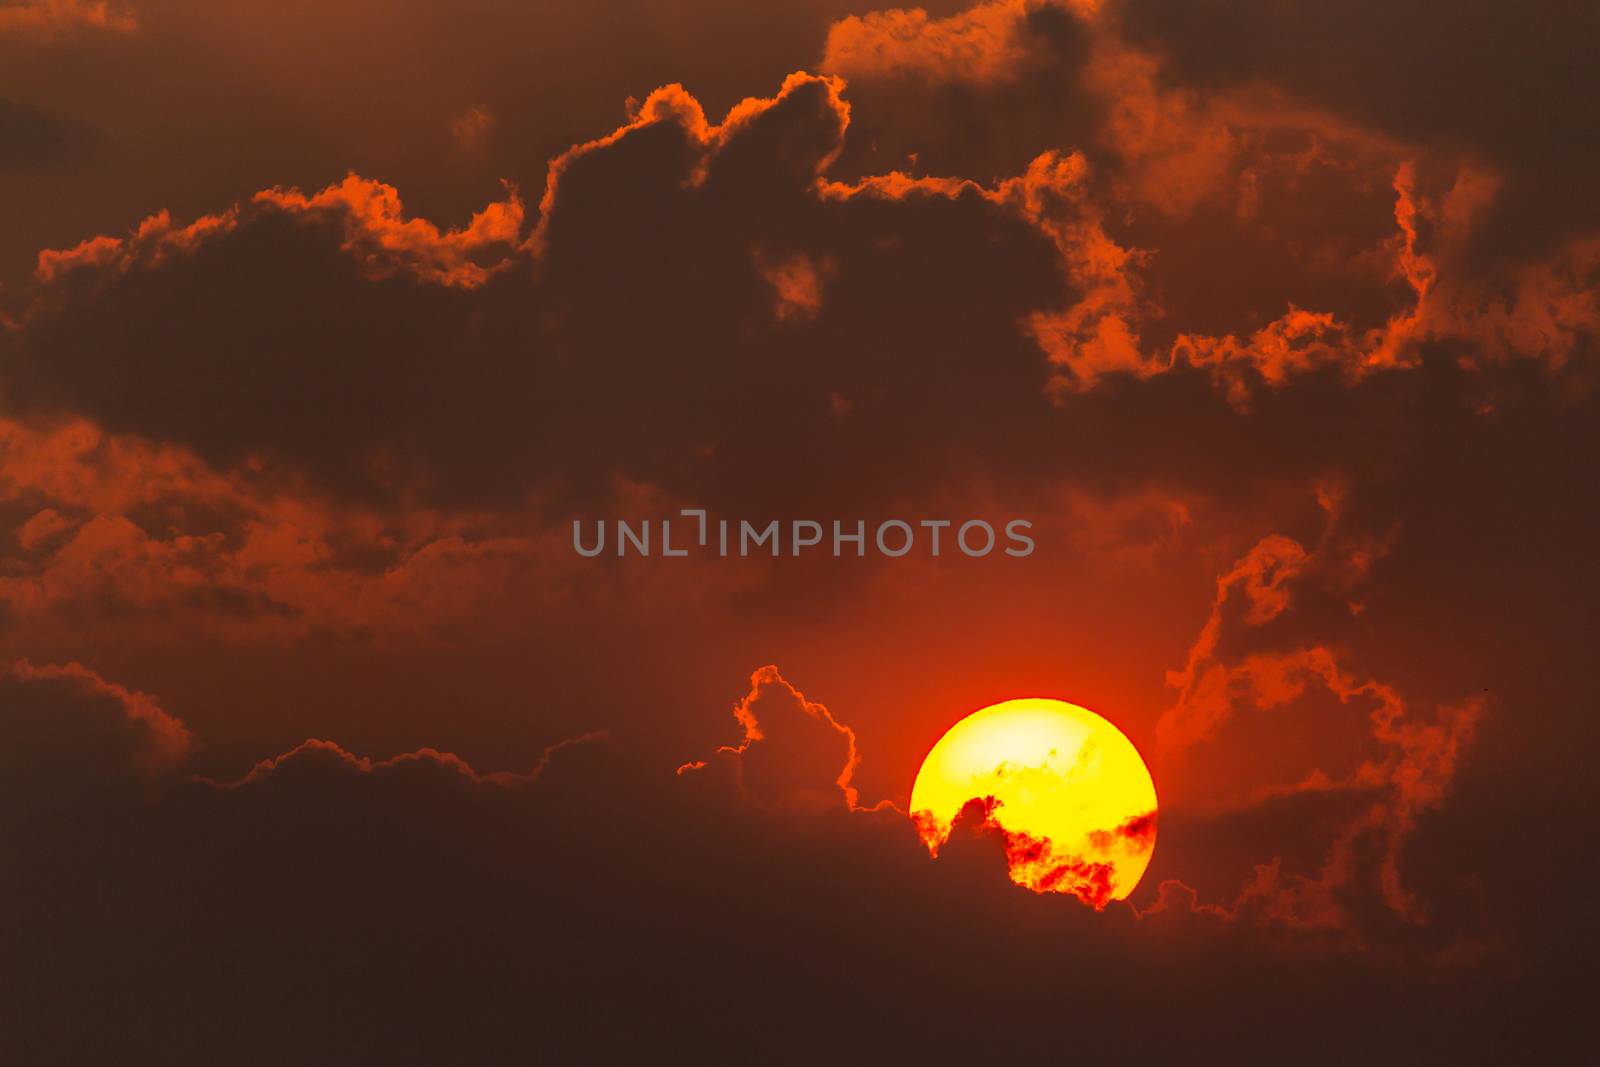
x=1069, y=791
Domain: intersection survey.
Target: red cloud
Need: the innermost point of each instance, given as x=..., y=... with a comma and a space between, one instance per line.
x=48, y=18
x=376, y=232
x=1414, y=754
x=801, y=151
x=68, y=722
x=246, y=556
x=794, y=753
x=323, y=759
x=1157, y=144
x=1034, y=862
x=979, y=44
x=796, y=282
x=1139, y=831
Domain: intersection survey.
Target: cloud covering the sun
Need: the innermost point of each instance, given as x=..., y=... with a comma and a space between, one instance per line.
x=784, y=867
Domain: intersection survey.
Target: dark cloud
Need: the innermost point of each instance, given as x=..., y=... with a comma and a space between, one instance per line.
x=694, y=310
x=67, y=729
x=639, y=338
x=416, y=910
x=80, y=760
x=1263, y=229
x=30, y=137
x=1511, y=82
x=285, y=94
x=927, y=89
x=793, y=756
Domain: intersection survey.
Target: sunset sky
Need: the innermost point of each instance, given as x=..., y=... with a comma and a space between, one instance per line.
x=321, y=324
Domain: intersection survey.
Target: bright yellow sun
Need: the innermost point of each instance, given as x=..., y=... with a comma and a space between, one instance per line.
x=1070, y=792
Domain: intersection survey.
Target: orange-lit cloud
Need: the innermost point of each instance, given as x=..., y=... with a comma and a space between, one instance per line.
x=1091, y=337
x=317, y=757
x=1108, y=319
x=979, y=44
x=370, y=214
x=1186, y=153
x=47, y=18
x=799, y=152
x=794, y=756
x=1412, y=755
x=66, y=719
x=151, y=529
x=796, y=284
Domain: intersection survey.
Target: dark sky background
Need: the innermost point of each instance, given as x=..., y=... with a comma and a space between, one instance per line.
x=320, y=324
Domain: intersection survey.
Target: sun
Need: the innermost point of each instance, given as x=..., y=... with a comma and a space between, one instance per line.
x=1070, y=793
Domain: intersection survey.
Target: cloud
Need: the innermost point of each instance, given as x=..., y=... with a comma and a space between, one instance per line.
x=979, y=44
x=316, y=414
x=390, y=358
x=66, y=728
x=306, y=459
x=510, y=904
x=1031, y=861
x=409, y=359
x=118, y=534
x=1178, y=168
x=320, y=761
x=1411, y=756
x=796, y=285
x=472, y=129
x=48, y=18
x=31, y=137
x=794, y=754
x=1386, y=72
x=368, y=214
